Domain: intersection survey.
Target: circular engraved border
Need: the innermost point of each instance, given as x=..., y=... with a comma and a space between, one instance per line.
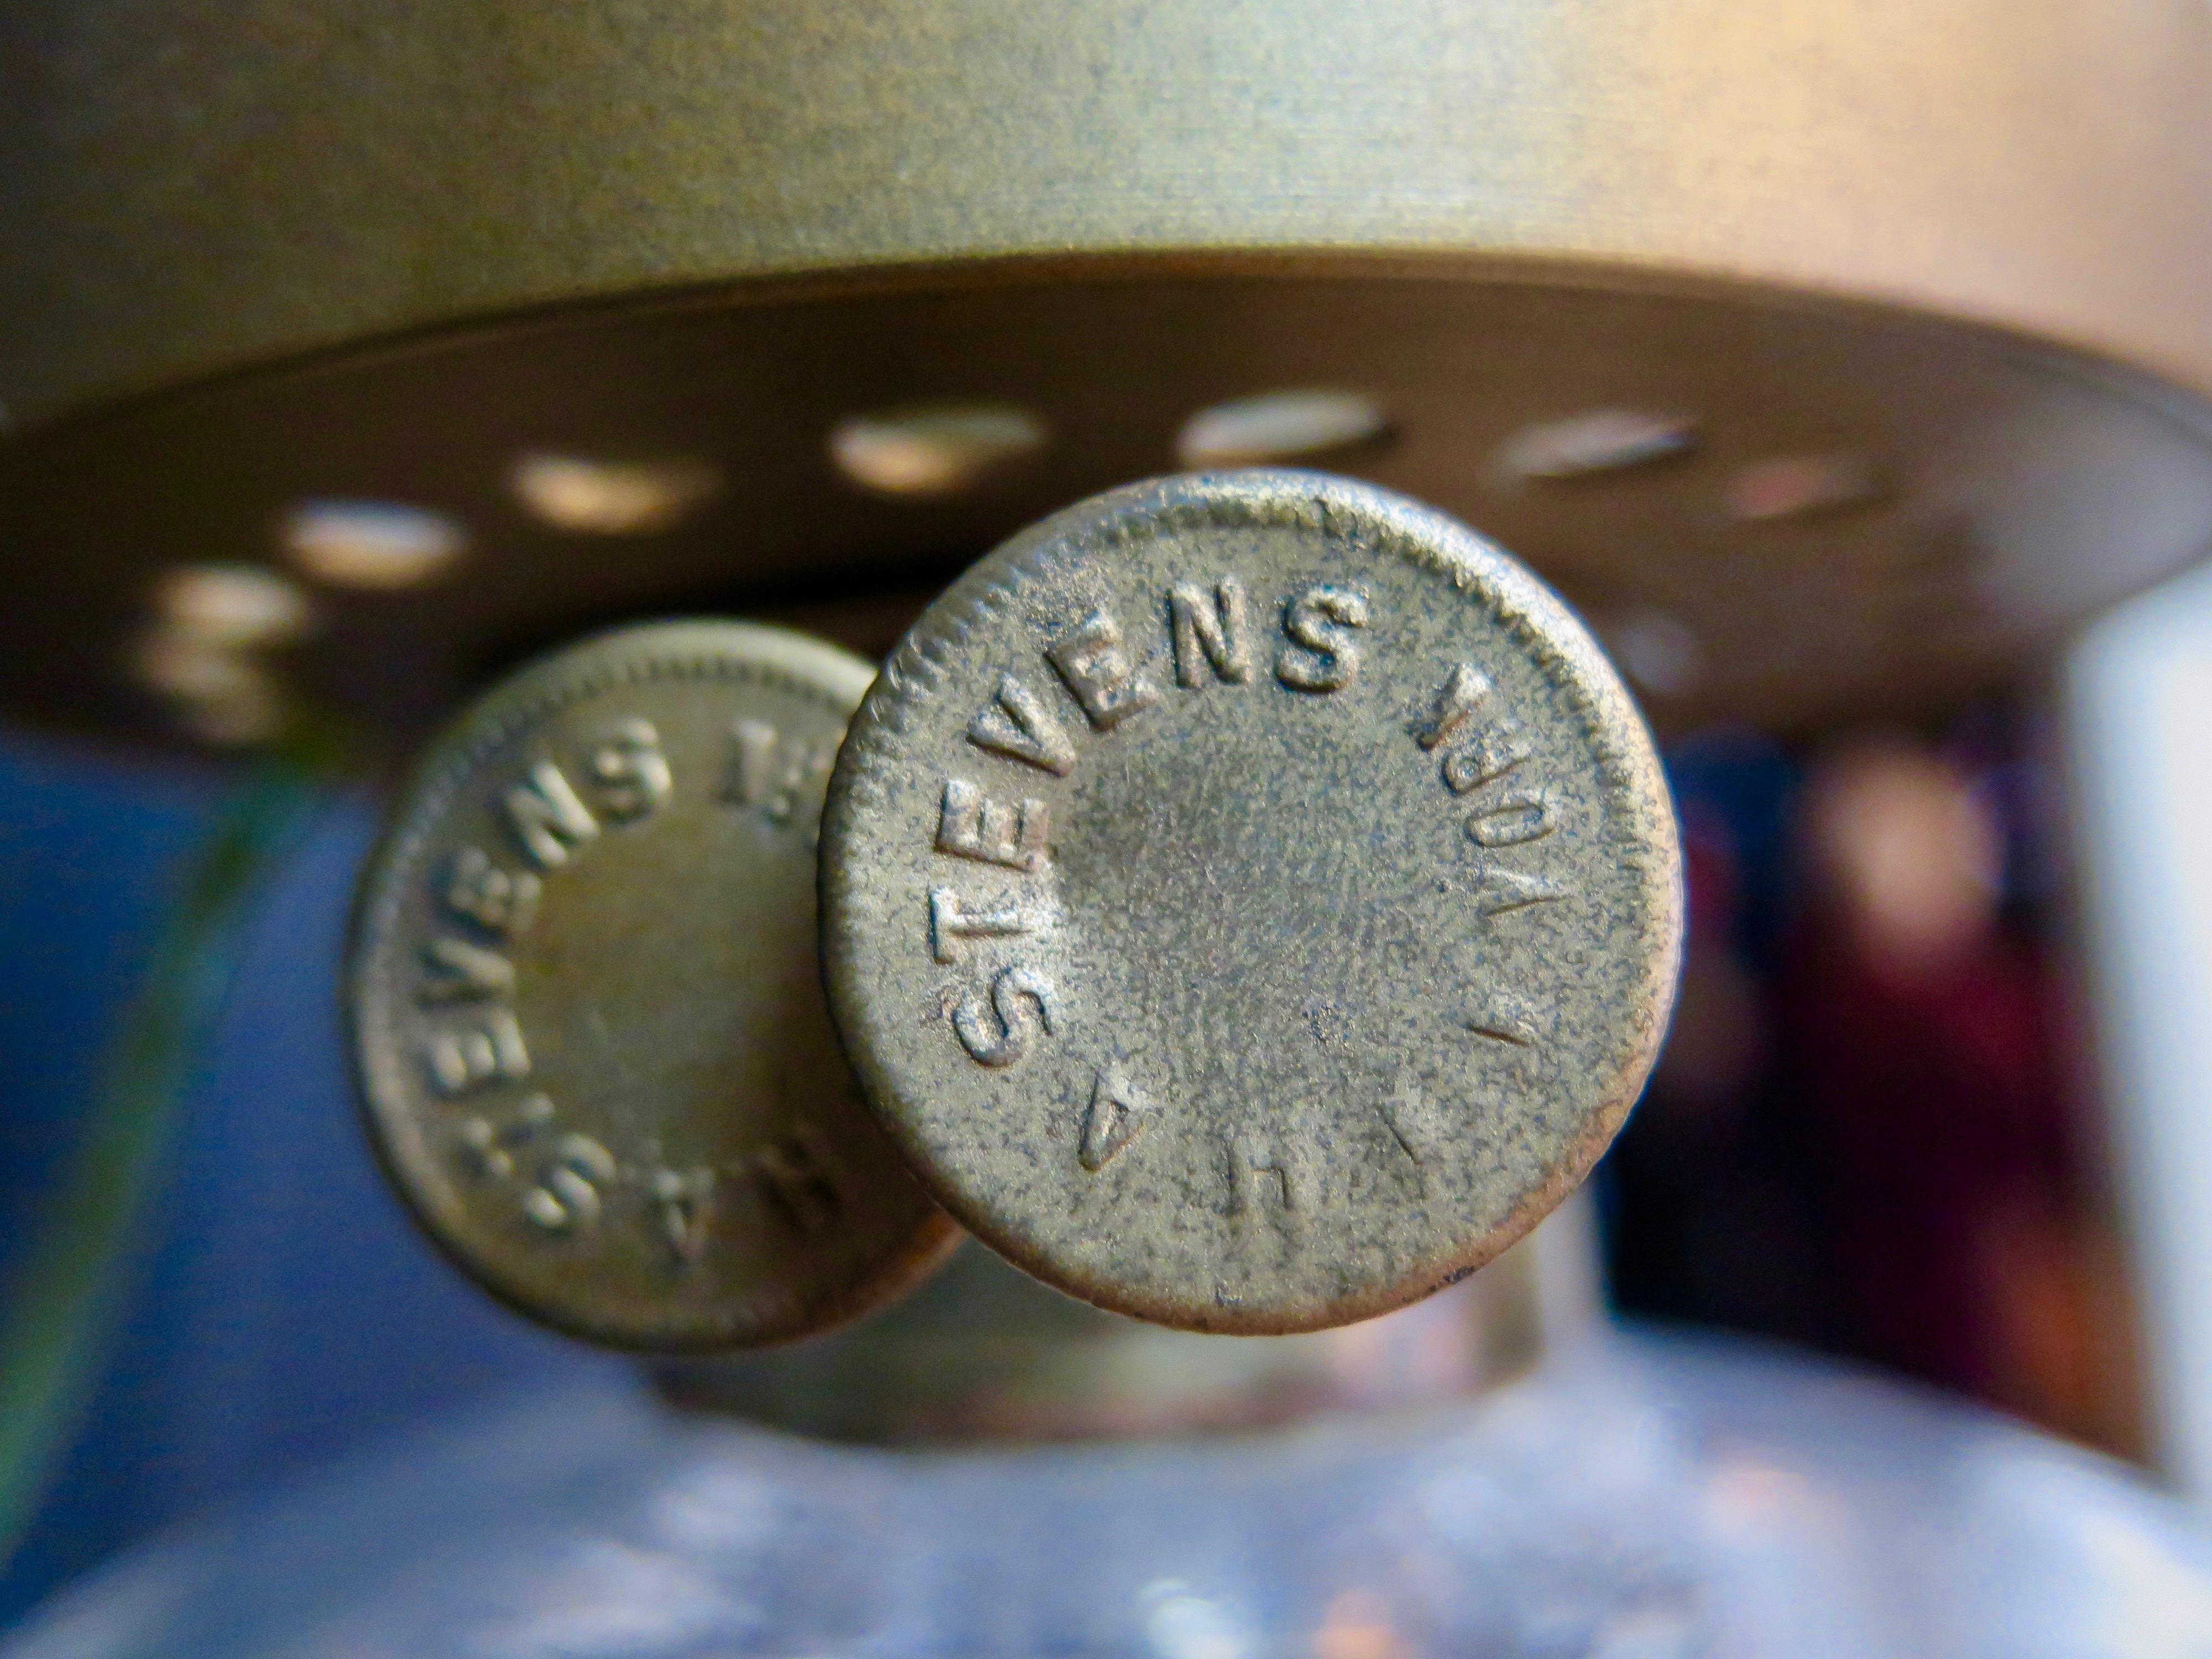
x=1538, y=620
x=686, y=648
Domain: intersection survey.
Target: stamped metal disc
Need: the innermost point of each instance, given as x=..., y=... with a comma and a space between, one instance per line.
x=1250, y=900
x=586, y=1013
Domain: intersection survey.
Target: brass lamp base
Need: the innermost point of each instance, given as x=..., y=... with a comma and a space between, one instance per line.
x=1770, y=506
x=1831, y=356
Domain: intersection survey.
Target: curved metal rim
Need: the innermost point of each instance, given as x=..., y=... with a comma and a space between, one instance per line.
x=2092, y=363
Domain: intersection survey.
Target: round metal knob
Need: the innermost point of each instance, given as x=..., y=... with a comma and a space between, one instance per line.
x=1251, y=900
x=585, y=1011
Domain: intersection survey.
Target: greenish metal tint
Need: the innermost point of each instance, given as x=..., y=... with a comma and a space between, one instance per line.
x=58, y=1313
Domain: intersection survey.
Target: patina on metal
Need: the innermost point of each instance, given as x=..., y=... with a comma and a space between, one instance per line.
x=1952, y=252
x=585, y=1011
x=259, y=256
x=191, y=185
x=1250, y=900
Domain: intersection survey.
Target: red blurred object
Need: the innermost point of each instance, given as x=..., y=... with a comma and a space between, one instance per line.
x=1924, y=1043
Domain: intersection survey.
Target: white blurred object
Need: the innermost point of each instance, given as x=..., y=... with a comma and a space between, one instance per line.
x=2139, y=714
x=613, y=498
x=1636, y=1498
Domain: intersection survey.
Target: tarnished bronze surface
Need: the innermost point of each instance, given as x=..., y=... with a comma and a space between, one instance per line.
x=1945, y=256
x=187, y=186
x=585, y=1011
x=1250, y=900
x=1920, y=286
x=1990, y=463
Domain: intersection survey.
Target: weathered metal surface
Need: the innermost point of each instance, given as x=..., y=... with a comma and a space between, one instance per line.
x=2011, y=493
x=193, y=185
x=585, y=1009
x=1250, y=900
x=1948, y=252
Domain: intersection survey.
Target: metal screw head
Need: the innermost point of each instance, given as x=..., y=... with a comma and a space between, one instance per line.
x=1250, y=900
x=586, y=1015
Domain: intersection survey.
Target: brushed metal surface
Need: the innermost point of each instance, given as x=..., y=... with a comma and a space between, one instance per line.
x=189, y=185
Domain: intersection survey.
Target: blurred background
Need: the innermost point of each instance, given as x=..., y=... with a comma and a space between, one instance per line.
x=1885, y=1126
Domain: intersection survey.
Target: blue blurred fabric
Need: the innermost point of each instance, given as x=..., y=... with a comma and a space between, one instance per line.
x=278, y=1307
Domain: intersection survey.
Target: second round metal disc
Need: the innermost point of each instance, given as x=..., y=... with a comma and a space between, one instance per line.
x=1250, y=900
x=587, y=1012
